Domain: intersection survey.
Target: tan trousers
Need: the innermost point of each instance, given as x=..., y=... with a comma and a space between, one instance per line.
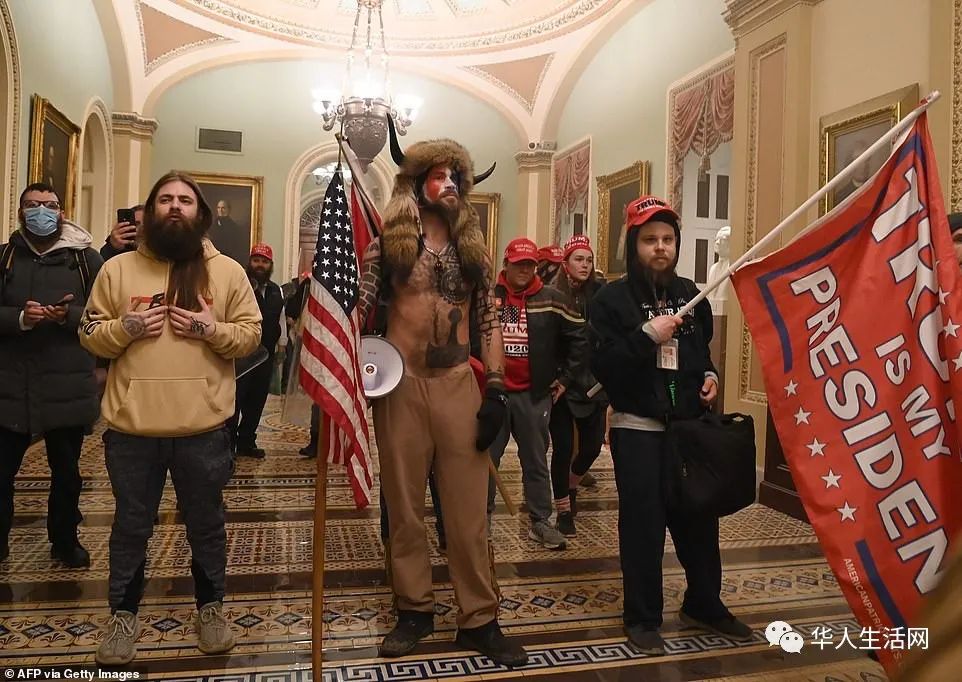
x=427, y=421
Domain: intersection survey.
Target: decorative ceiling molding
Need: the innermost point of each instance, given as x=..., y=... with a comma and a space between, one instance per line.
x=534, y=161
x=132, y=124
x=163, y=37
x=336, y=34
x=744, y=16
x=521, y=78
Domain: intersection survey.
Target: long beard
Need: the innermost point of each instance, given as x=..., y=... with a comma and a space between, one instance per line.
x=178, y=241
x=260, y=276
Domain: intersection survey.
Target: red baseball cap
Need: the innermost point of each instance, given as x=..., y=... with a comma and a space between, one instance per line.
x=644, y=209
x=263, y=250
x=521, y=249
x=579, y=241
x=551, y=253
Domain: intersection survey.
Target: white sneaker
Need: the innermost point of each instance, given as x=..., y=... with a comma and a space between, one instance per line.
x=117, y=647
x=214, y=635
x=547, y=536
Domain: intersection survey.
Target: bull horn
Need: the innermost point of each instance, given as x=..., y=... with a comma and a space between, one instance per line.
x=396, y=152
x=478, y=179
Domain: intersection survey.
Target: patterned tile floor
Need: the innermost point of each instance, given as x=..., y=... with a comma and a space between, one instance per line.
x=565, y=606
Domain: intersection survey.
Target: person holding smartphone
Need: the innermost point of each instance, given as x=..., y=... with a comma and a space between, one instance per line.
x=123, y=236
x=47, y=382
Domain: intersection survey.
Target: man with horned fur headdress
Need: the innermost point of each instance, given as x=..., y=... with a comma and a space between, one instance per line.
x=432, y=266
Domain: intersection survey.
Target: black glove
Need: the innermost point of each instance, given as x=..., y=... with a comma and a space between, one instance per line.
x=491, y=417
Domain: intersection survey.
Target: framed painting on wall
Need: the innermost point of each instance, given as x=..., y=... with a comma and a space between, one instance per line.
x=488, y=206
x=570, y=191
x=615, y=192
x=845, y=134
x=236, y=203
x=54, y=143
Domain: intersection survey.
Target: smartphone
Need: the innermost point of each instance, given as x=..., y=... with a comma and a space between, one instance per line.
x=126, y=215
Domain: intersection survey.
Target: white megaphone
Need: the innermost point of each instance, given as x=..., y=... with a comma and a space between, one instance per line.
x=381, y=366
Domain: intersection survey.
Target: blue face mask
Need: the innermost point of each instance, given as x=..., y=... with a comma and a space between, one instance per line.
x=41, y=221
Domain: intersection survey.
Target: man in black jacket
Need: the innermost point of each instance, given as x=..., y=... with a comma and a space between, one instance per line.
x=655, y=367
x=47, y=381
x=253, y=387
x=541, y=319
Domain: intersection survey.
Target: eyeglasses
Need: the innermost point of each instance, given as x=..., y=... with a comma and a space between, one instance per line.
x=52, y=205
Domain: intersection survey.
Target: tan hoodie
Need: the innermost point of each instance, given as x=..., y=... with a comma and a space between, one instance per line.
x=168, y=385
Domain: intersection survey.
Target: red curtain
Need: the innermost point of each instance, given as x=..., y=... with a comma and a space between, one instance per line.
x=571, y=178
x=702, y=119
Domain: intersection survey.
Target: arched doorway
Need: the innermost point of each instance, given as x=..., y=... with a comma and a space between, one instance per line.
x=303, y=190
x=9, y=121
x=96, y=181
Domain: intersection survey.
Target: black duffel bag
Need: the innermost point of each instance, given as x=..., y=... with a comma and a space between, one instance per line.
x=711, y=464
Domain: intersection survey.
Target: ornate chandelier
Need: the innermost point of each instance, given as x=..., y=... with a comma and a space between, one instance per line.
x=362, y=106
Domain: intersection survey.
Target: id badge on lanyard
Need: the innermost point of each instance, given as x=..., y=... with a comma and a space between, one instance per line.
x=667, y=355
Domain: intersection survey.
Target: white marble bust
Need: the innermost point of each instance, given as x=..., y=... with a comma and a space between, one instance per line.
x=720, y=294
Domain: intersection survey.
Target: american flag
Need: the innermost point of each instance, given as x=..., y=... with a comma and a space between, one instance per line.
x=330, y=372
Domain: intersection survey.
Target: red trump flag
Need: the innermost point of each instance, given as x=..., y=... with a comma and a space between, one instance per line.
x=857, y=326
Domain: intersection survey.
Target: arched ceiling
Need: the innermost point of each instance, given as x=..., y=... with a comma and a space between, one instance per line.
x=515, y=54
x=413, y=26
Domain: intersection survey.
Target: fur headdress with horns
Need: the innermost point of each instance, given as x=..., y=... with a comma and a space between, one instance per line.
x=401, y=234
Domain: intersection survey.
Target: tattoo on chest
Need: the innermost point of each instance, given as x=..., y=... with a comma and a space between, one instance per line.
x=451, y=353
x=448, y=278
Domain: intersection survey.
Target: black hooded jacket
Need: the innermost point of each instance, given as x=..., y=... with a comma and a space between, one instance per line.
x=623, y=357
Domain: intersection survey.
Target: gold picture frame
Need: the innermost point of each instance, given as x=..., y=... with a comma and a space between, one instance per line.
x=488, y=206
x=235, y=233
x=54, y=145
x=615, y=191
x=846, y=133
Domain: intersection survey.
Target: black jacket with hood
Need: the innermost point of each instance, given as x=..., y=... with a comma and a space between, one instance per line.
x=46, y=377
x=623, y=357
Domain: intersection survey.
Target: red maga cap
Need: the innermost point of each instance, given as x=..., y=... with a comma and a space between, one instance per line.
x=263, y=250
x=643, y=209
x=521, y=249
x=579, y=241
x=552, y=253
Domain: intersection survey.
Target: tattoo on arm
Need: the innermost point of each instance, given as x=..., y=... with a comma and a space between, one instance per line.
x=133, y=325
x=370, y=288
x=492, y=348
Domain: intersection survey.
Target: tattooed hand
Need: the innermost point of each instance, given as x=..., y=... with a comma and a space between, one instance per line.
x=145, y=323
x=193, y=325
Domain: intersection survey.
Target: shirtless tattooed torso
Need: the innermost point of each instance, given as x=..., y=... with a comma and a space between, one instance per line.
x=428, y=314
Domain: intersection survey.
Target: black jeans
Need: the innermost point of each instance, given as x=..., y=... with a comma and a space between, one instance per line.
x=63, y=504
x=252, y=390
x=200, y=466
x=639, y=458
x=591, y=436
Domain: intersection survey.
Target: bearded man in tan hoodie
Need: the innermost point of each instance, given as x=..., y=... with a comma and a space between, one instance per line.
x=171, y=316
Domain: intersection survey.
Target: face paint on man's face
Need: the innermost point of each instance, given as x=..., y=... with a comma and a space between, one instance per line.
x=440, y=185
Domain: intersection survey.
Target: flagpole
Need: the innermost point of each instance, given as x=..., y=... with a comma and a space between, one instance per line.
x=320, y=521
x=838, y=180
